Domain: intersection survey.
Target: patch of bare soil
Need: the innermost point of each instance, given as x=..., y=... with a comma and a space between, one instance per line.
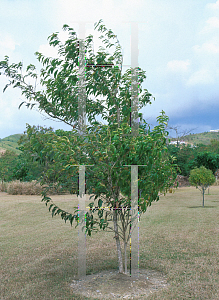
x=2, y=151
x=113, y=285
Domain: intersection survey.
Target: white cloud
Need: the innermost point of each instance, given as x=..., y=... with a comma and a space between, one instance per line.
x=211, y=47
x=213, y=6
x=48, y=51
x=201, y=77
x=51, y=51
x=7, y=42
x=211, y=24
x=178, y=65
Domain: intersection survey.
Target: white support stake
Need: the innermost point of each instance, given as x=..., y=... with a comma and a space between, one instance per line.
x=134, y=240
x=81, y=234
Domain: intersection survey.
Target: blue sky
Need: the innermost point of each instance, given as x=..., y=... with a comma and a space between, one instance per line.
x=178, y=49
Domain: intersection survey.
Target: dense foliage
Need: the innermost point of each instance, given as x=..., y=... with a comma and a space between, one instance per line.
x=188, y=157
x=7, y=161
x=208, y=160
x=185, y=156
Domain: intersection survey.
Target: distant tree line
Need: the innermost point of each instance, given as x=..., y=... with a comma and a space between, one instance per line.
x=188, y=157
x=33, y=162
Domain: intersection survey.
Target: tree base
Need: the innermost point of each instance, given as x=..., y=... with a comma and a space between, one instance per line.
x=112, y=285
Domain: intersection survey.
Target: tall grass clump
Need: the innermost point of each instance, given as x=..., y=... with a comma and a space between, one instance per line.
x=24, y=188
x=3, y=186
x=33, y=187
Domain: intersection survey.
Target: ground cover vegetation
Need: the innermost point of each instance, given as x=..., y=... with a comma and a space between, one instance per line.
x=111, y=149
x=39, y=254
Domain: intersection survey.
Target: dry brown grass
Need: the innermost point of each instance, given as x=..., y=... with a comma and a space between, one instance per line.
x=18, y=187
x=177, y=237
x=23, y=188
x=2, y=151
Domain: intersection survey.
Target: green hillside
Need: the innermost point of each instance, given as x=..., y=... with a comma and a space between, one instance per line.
x=10, y=143
x=200, y=138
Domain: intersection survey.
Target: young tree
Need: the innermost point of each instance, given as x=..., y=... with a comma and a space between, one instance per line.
x=108, y=180
x=108, y=148
x=201, y=178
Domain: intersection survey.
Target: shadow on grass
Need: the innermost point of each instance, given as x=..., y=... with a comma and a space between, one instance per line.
x=200, y=206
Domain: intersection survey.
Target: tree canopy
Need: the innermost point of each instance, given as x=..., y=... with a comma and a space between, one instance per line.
x=56, y=93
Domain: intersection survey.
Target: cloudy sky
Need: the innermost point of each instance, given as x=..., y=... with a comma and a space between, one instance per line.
x=178, y=49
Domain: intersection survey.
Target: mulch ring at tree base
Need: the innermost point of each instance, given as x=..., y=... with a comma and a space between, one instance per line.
x=113, y=285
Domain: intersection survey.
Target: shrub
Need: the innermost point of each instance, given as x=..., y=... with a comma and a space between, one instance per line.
x=27, y=188
x=201, y=178
x=24, y=188
x=3, y=186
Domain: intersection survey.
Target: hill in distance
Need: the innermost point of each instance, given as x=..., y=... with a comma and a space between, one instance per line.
x=200, y=138
x=10, y=143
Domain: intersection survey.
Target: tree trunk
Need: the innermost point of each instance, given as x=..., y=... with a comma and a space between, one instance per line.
x=125, y=246
x=203, y=193
x=118, y=116
x=119, y=250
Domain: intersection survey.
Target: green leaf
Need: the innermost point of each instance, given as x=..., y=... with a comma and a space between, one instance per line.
x=100, y=202
x=54, y=210
x=51, y=206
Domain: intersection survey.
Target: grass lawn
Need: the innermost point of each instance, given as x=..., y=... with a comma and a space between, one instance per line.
x=177, y=237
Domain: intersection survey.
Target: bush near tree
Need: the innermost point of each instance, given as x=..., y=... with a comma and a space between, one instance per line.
x=184, y=158
x=21, y=167
x=108, y=148
x=208, y=160
x=187, y=157
x=20, y=171
x=201, y=178
x=26, y=170
x=7, y=160
x=33, y=147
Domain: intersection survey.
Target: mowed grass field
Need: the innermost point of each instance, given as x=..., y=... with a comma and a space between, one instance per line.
x=177, y=237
